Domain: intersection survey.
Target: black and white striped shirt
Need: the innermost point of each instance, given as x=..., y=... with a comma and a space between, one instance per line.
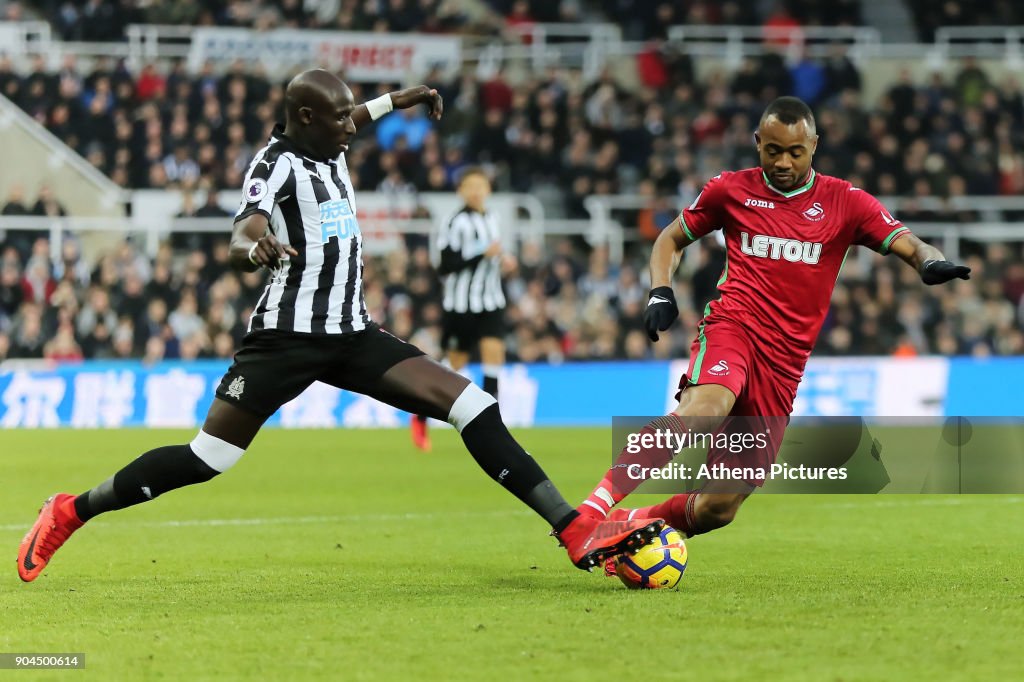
x=472, y=282
x=311, y=206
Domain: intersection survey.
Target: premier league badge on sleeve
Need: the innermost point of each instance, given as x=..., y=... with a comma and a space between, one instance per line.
x=255, y=190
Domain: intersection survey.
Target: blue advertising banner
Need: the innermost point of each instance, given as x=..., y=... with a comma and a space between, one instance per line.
x=175, y=394
x=985, y=388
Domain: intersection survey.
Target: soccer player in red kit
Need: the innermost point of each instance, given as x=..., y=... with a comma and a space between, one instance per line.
x=787, y=231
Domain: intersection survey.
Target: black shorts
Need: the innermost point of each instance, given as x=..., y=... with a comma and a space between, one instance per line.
x=273, y=367
x=463, y=331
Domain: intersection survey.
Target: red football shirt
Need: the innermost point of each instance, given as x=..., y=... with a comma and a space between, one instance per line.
x=784, y=251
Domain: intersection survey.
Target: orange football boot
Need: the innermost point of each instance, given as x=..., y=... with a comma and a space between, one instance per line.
x=57, y=521
x=617, y=514
x=590, y=541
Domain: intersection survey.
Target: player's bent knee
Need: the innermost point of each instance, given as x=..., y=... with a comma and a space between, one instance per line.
x=217, y=454
x=471, y=402
x=445, y=394
x=715, y=511
x=706, y=401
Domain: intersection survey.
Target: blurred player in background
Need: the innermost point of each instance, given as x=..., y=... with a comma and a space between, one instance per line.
x=298, y=218
x=472, y=263
x=787, y=232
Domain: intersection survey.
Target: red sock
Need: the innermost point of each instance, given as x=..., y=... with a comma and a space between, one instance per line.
x=676, y=510
x=617, y=482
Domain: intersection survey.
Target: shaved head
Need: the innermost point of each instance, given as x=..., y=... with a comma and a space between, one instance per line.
x=318, y=112
x=315, y=88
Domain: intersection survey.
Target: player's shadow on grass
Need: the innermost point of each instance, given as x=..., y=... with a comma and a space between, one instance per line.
x=556, y=581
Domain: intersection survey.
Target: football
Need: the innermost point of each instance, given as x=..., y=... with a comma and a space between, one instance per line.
x=658, y=565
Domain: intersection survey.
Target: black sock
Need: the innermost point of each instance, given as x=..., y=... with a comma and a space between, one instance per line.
x=504, y=460
x=491, y=384
x=146, y=478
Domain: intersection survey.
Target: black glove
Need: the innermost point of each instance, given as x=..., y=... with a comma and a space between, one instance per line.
x=939, y=271
x=661, y=311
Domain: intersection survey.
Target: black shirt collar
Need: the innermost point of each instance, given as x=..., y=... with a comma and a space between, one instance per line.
x=277, y=135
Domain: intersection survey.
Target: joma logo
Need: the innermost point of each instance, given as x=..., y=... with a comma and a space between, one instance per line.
x=759, y=203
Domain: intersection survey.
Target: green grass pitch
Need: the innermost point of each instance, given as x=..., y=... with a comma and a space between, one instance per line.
x=346, y=555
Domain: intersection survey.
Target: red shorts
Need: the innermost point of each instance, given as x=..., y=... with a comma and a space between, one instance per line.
x=726, y=354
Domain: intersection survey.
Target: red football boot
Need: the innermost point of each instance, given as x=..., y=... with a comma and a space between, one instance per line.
x=590, y=541
x=57, y=521
x=420, y=437
x=617, y=514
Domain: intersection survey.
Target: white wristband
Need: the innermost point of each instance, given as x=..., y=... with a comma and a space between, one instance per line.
x=252, y=250
x=380, y=106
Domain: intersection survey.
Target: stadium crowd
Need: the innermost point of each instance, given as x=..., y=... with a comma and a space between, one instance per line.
x=552, y=134
x=563, y=305
x=167, y=128
x=929, y=15
x=106, y=20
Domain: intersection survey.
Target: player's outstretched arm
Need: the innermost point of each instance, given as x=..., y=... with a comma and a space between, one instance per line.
x=253, y=247
x=927, y=260
x=661, y=309
x=400, y=99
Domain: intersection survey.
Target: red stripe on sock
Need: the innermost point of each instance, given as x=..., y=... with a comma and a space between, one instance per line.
x=630, y=468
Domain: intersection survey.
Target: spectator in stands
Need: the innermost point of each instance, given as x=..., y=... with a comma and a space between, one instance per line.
x=651, y=66
x=15, y=204
x=47, y=204
x=98, y=343
x=971, y=83
x=841, y=76
x=154, y=324
x=185, y=321
x=192, y=347
x=27, y=334
x=211, y=207
x=781, y=27
x=179, y=167
x=38, y=285
x=12, y=295
x=13, y=11
x=496, y=93
x=519, y=23
x=809, y=78
x=97, y=310
x=155, y=350
x=130, y=299
x=123, y=345
x=150, y=84
x=63, y=347
x=410, y=125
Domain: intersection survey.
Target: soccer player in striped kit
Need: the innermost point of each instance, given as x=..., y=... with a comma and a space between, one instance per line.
x=298, y=218
x=472, y=261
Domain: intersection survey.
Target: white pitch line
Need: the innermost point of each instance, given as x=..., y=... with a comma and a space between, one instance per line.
x=285, y=520
x=924, y=502
x=426, y=516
